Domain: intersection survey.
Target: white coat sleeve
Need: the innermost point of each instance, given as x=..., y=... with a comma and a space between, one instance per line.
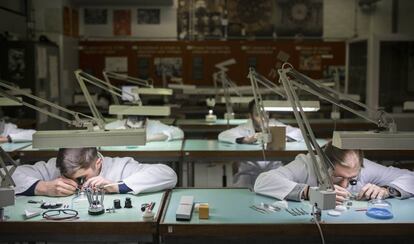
x=401, y=179
x=294, y=133
x=26, y=175
x=115, y=125
x=232, y=134
x=16, y=134
x=172, y=132
x=148, y=177
x=278, y=183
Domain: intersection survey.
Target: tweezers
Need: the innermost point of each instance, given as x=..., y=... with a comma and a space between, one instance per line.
x=260, y=210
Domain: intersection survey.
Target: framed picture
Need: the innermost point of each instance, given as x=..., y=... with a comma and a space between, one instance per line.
x=122, y=22
x=148, y=16
x=172, y=66
x=95, y=16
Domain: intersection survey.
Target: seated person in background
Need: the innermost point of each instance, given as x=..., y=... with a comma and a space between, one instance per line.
x=10, y=133
x=247, y=133
x=156, y=130
x=59, y=176
x=351, y=174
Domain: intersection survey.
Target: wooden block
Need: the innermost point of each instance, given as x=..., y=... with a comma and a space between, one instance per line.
x=278, y=134
x=203, y=211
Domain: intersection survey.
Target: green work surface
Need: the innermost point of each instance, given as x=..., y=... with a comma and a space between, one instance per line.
x=215, y=145
x=217, y=122
x=232, y=206
x=149, y=146
x=16, y=212
x=11, y=147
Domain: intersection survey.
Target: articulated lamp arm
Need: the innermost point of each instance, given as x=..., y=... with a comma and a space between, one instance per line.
x=83, y=77
x=323, y=196
x=381, y=118
x=5, y=173
x=77, y=121
x=133, y=80
x=321, y=162
x=263, y=118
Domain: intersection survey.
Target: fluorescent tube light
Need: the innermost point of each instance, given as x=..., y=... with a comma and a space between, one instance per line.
x=85, y=138
x=285, y=106
x=139, y=110
x=370, y=140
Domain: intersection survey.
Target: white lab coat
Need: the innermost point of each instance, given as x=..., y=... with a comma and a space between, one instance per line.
x=16, y=134
x=152, y=127
x=247, y=129
x=248, y=171
x=138, y=177
x=280, y=182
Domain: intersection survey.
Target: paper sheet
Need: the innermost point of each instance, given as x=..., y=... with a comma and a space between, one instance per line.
x=117, y=64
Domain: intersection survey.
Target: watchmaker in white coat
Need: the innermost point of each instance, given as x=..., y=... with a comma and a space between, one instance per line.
x=82, y=167
x=248, y=133
x=10, y=133
x=352, y=175
x=155, y=129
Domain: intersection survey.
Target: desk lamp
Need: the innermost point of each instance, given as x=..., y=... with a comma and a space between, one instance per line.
x=385, y=138
x=276, y=105
x=323, y=196
x=262, y=105
x=136, y=109
x=227, y=85
x=89, y=137
x=142, y=87
x=7, y=183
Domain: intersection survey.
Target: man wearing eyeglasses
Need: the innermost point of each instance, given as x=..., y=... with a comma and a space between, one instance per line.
x=75, y=168
x=351, y=174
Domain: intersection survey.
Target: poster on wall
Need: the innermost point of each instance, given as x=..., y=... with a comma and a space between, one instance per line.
x=122, y=22
x=16, y=65
x=299, y=18
x=251, y=18
x=310, y=61
x=170, y=66
x=335, y=73
x=116, y=64
x=206, y=22
x=95, y=16
x=147, y=16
